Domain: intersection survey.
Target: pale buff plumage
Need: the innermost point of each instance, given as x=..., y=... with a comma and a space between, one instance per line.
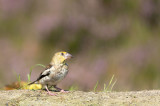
x=54, y=72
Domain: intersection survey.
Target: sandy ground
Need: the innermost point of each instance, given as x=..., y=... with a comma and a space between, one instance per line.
x=79, y=98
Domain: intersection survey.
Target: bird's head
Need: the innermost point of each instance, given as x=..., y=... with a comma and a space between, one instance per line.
x=60, y=57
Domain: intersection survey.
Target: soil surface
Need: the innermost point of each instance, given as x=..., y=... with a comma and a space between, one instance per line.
x=79, y=98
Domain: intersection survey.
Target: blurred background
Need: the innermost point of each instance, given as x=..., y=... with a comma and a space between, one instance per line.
x=106, y=37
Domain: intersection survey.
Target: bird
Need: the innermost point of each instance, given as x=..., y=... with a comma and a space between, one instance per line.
x=55, y=72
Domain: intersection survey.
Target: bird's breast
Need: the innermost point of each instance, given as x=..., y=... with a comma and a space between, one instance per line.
x=58, y=75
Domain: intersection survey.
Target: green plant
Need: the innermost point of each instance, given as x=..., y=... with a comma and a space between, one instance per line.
x=29, y=75
x=19, y=78
x=95, y=87
x=73, y=88
x=110, y=85
x=106, y=88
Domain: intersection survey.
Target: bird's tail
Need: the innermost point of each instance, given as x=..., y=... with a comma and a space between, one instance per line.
x=34, y=82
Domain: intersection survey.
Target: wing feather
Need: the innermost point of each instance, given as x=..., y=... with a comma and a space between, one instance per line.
x=46, y=72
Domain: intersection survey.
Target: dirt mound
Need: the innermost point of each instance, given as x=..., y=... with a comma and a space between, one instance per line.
x=79, y=98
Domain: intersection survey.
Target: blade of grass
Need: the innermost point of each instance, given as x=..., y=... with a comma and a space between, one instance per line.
x=110, y=82
x=104, y=88
x=73, y=88
x=19, y=80
x=15, y=74
x=95, y=87
x=36, y=66
x=29, y=75
x=113, y=84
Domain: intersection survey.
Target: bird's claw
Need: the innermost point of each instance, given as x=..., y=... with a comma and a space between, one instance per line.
x=63, y=91
x=52, y=94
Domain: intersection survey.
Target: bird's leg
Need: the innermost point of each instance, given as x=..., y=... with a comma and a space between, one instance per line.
x=49, y=91
x=61, y=90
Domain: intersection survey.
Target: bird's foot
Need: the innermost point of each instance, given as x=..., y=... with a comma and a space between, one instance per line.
x=52, y=94
x=63, y=91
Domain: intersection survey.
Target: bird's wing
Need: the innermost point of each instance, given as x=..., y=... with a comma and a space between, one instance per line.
x=46, y=72
x=48, y=66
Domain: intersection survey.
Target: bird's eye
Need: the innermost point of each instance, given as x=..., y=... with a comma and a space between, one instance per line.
x=62, y=54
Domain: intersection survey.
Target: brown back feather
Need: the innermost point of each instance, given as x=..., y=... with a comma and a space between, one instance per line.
x=41, y=76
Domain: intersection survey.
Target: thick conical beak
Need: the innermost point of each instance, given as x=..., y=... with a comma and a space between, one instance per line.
x=68, y=56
